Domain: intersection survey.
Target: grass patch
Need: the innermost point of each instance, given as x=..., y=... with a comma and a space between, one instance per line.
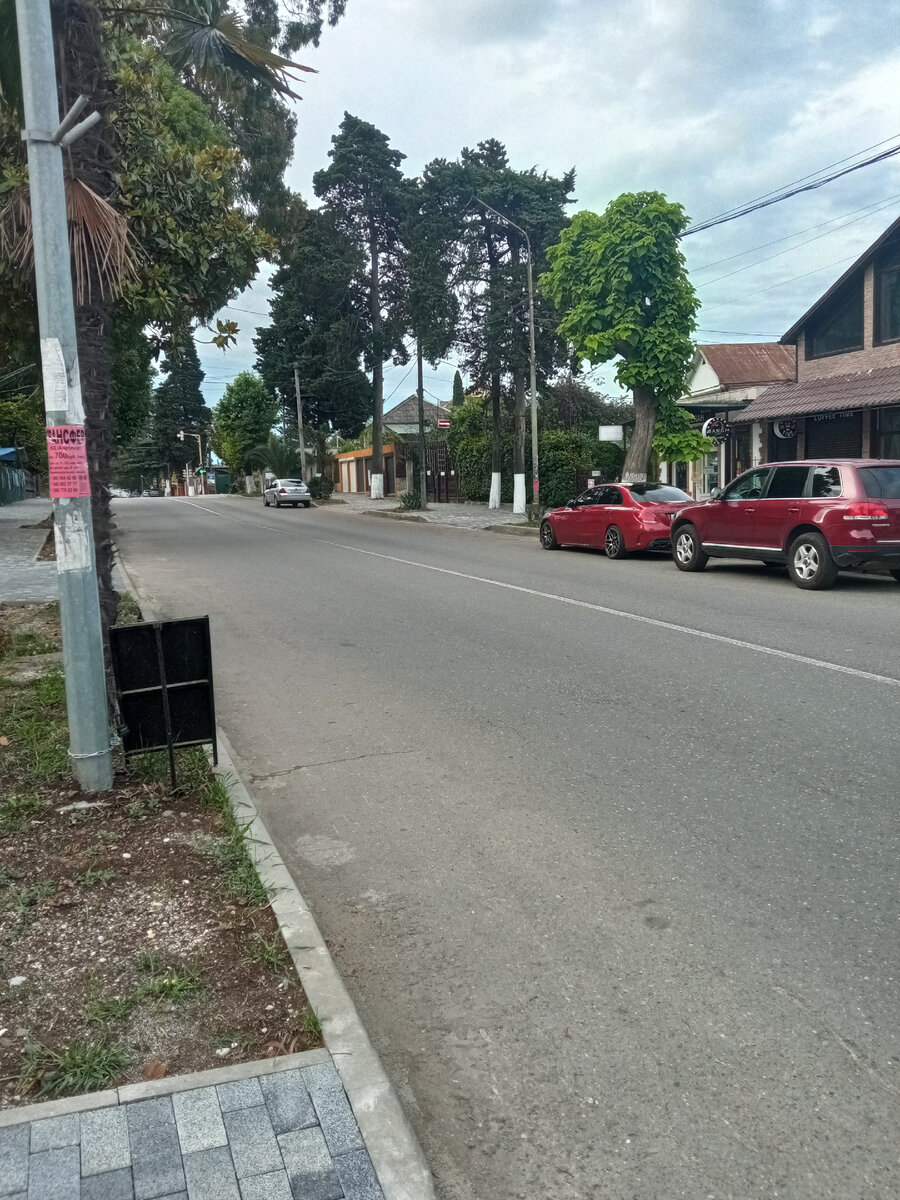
x=97, y=877
x=82, y=1066
x=25, y=902
x=175, y=984
x=128, y=612
x=113, y=1008
x=35, y=727
x=269, y=952
x=310, y=1024
x=24, y=645
x=17, y=810
x=231, y=853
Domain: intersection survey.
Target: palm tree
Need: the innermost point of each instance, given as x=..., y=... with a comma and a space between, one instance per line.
x=206, y=40
x=278, y=456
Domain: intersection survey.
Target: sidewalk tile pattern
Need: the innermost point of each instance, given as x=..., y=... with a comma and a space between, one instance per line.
x=285, y=1136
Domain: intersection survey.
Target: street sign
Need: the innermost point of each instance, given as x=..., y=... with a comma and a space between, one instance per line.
x=443, y=423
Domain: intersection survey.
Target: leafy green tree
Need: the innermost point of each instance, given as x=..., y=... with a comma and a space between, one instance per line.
x=621, y=283
x=22, y=425
x=319, y=322
x=363, y=188
x=242, y=420
x=459, y=394
x=570, y=403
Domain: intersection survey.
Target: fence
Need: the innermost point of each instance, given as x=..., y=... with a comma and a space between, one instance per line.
x=17, y=484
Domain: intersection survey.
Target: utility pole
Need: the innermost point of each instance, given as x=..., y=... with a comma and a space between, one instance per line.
x=535, y=473
x=79, y=601
x=181, y=436
x=300, y=423
x=420, y=393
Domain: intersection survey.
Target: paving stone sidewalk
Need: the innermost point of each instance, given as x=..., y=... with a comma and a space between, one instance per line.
x=284, y=1133
x=22, y=579
x=463, y=516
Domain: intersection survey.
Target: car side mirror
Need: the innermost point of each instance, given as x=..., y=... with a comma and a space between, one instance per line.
x=716, y=493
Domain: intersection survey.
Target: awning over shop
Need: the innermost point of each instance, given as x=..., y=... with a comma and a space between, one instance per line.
x=834, y=393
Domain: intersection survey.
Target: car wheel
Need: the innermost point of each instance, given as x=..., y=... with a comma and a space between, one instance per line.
x=277, y=502
x=689, y=555
x=548, y=537
x=614, y=543
x=896, y=575
x=307, y=504
x=265, y=500
x=810, y=564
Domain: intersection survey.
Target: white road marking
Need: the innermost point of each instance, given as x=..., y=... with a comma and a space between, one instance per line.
x=629, y=616
x=871, y=676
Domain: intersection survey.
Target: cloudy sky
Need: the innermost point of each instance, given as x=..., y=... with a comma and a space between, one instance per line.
x=713, y=102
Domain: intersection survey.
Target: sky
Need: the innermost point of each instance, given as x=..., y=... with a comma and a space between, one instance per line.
x=713, y=102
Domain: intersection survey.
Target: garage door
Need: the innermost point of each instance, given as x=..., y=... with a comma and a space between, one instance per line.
x=837, y=438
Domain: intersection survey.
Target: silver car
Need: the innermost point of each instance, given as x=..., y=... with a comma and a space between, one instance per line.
x=286, y=491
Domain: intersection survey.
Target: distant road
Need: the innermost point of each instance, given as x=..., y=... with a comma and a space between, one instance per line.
x=608, y=855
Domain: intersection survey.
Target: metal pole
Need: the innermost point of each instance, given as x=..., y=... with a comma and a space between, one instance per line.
x=420, y=392
x=535, y=473
x=300, y=423
x=79, y=602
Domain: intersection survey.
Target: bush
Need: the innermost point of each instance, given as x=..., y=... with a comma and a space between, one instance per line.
x=321, y=487
x=411, y=500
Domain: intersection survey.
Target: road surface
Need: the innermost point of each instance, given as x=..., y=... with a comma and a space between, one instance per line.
x=607, y=854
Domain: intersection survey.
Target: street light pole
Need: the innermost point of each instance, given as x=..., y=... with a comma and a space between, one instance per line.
x=181, y=436
x=79, y=601
x=535, y=472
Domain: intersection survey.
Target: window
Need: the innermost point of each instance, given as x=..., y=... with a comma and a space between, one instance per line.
x=881, y=483
x=647, y=492
x=787, y=483
x=888, y=433
x=591, y=496
x=749, y=486
x=610, y=495
x=887, y=298
x=826, y=483
x=841, y=329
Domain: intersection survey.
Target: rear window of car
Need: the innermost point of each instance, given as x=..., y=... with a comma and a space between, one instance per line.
x=647, y=493
x=882, y=483
x=293, y=483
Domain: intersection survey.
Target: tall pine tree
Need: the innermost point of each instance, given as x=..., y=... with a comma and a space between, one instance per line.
x=178, y=405
x=363, y=188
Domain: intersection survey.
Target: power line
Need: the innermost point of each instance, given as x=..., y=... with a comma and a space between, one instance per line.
x=805, y=275
x=737, y=333
x=809, y=229
x=785, y=194
x=790, y=249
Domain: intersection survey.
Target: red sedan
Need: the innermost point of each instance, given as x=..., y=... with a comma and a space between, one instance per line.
x=617, y=518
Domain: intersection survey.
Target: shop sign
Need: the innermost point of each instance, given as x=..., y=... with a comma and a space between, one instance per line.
x=786, y=428
x=834, y=416
x=716, y=428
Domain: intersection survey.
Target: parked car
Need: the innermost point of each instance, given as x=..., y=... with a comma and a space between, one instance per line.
x=617, y=518
x=814, y=517
x=287, y=491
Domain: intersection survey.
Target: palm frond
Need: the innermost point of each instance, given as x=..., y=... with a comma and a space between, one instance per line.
x=100, y=251
x=212, y=41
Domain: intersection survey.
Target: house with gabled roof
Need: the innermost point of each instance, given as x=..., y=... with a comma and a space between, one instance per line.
x=353, y=468
x=724, y=379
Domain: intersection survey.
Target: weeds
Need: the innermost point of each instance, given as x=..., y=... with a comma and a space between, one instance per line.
x=99, y=877
x=268, y=952
x=176, y=984
x=24, y=645
x=26, y=902
x=115, y=1008
x=17, y=810
x=35, y=726
x=310, y=1024
x=128, y=612
x=82, y=1066
x=232, y=853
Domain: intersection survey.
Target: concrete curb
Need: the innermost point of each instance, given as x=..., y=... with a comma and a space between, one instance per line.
x=517, y=530
x=392, y=1144
x=131, y=1092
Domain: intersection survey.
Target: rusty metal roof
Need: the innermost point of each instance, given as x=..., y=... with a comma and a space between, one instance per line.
x=741, y=364
x=863, y=389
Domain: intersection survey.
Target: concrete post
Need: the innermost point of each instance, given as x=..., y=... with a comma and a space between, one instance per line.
x=89, y=734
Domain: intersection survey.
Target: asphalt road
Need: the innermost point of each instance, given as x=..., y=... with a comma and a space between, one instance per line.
x=618, y=901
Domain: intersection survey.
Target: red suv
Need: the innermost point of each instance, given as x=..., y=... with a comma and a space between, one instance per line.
x=815, y=517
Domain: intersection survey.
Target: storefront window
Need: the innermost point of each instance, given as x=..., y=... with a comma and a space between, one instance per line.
x=709, y=472
x=740, y=450
x=887, y=442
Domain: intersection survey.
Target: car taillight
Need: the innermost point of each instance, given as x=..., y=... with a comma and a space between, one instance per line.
x=866, y=511
x=282, y=491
